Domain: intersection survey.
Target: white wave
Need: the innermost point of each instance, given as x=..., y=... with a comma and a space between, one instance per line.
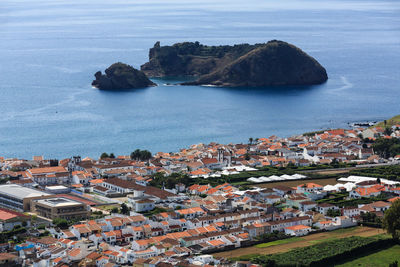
x=346, y=85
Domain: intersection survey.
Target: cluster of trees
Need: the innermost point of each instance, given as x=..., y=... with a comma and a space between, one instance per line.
x=388, y=172
x=387, y=148
x=61, y=223
x=15, y=233
x=142, y=155
x=136, y=155
x=124, y=209
x=105, y=155
x=371, y=219
x=158, y=180
x=354, y=202
x=391, y=221
x=333, y=213
x=197, y=49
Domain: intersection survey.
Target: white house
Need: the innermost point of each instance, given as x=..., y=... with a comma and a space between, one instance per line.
x=144, y=205
x=350, y=211
x=297, y=230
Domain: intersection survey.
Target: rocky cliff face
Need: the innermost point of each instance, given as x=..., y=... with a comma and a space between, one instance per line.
x=275, y=63
x=191, y=59
x=121, y=76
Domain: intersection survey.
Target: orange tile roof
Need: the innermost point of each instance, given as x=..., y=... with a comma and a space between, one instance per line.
x=47, y=170
x=243, y=235
x=211, y=228
x=5, y=215
x=217, y=242
x=143, y=242
x=56, y=260
x=326, y=222
x=96, y=181
x=393, y=199
x=369, y=191
x=310, y=185
x=298, y=227
x=74, y=252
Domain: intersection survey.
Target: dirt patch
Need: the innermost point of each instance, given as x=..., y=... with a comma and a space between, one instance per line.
x=303, y=242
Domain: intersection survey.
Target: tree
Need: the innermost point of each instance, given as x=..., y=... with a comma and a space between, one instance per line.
x=145, y=155
x=112, y=156
x=388, y=131
x=114, y=210
x=141, y=155
x=124, y=208
x=364, y=146
x=391, y=221
x=333, y=213
x=104, y=155
x=387, y=147
x=334, y=163
x=250, y=140
x=61, y=223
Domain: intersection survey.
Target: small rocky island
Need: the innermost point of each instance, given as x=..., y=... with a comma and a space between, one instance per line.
x=275, y=63
x=121, y=76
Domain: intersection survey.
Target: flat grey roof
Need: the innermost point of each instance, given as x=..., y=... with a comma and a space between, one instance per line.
x=20, y=192
x=58, y=202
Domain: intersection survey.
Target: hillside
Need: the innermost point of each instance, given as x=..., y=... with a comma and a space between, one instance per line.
x=275, y=63
x=389, y=122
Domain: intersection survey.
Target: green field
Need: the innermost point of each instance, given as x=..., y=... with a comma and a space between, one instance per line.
x=389, y=122
x=381, y=258
x=278, y=242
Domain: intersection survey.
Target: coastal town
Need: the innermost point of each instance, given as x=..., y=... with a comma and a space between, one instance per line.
x=183, y=208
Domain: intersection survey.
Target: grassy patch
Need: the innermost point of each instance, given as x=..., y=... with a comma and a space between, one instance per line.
x=108, y=207
x=313, y=242
x=245, y=257
x=345, y=230
x=155, y=211
x=325, y=252
x=278, y=242
x=381, y=258
x=389, y=123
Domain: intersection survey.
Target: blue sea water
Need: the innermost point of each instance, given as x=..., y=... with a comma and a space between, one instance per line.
x=49, y=51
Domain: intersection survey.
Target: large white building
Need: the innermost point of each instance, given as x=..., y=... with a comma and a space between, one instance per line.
x=17, y=197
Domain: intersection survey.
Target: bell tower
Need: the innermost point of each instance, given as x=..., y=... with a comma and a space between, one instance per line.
x=220, y=155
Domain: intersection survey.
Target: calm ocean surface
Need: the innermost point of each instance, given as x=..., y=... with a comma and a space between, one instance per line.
x=49, y=51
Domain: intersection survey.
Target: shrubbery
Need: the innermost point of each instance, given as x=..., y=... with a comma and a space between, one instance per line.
x=388, y=172
x=324, y=253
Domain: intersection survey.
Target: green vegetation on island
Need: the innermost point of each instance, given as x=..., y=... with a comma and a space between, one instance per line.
x=275, y=63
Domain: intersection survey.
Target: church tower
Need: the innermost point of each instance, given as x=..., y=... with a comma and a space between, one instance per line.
x=220, y=155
